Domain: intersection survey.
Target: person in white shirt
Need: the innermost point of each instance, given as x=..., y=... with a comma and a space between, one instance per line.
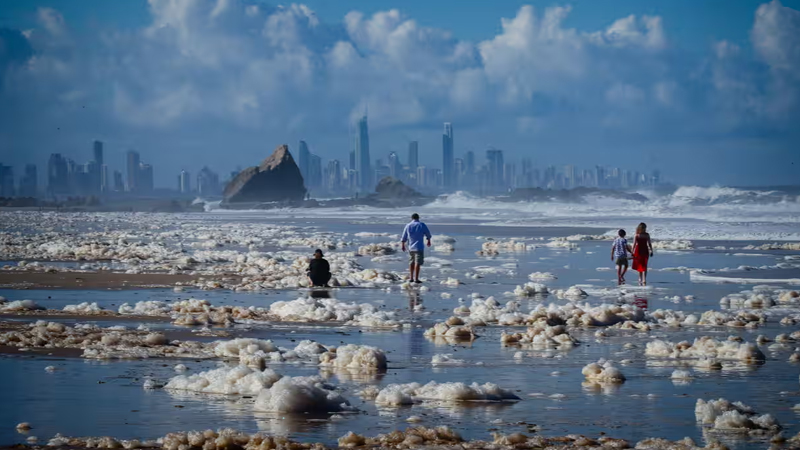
x=413, y=234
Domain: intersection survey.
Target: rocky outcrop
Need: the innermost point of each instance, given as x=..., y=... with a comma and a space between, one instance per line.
x=276, y=179
x=392, y=188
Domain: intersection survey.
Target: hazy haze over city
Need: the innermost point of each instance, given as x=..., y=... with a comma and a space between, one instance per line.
x=706, y=93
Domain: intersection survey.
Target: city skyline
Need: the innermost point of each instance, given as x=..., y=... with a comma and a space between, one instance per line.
x=548, y=83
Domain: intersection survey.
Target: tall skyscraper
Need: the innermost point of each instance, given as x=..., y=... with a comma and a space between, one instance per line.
x=334, y=175
x=184, y=182
x=495, y=166
x=57, y=175
x=145, y=179
x=394, y=165
x=363, y=169
x=413, y=155
x=448, y=164
x=133, y=171
x=105, y=182
x=96, y=169
x=29, y=184
x=119, y=183
x=6, y=181
x=352, y=165
x=469, y=162
x=305, y=160
x=314, y=171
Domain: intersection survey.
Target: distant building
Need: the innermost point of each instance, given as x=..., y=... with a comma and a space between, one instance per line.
x=6, y=181
x=96, y=169
x=314, y=171
x=207, y=182
x=145, y=179
x=305, y=160
x=105, y=182
x=469, y=162
x=362, y=159
x=413, y=155
x=119, y=183
x=460, y=172
x=494, y=159
x=448, y=163
x=133, y=163
x=184, y=182
x=29, y=184
x=394, y=165
x=333, y=179
x=57, y=175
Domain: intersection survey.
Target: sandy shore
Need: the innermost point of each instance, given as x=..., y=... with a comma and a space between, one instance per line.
x=92, y=280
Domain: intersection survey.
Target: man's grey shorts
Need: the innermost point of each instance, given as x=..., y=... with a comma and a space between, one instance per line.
x=416, y=257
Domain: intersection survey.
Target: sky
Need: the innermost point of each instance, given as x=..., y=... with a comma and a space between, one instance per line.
x=705, y=91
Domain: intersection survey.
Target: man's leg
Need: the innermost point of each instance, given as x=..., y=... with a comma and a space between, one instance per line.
x=411, y=267
x=418, y=267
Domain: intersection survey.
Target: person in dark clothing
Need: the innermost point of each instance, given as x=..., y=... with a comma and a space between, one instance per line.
x=319, y=271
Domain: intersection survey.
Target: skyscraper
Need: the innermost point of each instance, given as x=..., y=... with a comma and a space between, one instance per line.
x=6, y=181
x=495, y=162
x=448, y=164
x=119, y=184
x=413, y=155
x=29, y=184
x=394, y=165
x=334, y=179
x=207, y=182
x=145, y=179
x=96, y=169
x=133, y=171
x=314, y=171
x=305, y=160
x=363, y=170
x=105, y=183
x=469, y=162
x=184, y=182
x=57, y=175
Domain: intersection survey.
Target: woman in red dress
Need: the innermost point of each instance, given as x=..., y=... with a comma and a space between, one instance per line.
x=642, y=251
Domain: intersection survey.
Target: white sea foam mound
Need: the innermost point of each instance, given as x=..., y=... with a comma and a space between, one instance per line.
x=145, y=308
x=603, y=372
x=681, y=375
x=725, y=416
x=541, y=335
x=19, y=305
x=83, y=308
x=355, y=357
x=530, y=289
x=301, y=395
x=407, y=394
x=540, y=276
x=446, y=360
x=331, y=310
x=240, y=380
x=706, y=347
x=573, y=293
x=454, y=332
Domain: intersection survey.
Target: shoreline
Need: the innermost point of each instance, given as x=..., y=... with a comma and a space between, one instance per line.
x=95, y=280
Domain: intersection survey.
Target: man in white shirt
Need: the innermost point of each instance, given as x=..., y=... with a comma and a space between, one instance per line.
x=414, y=233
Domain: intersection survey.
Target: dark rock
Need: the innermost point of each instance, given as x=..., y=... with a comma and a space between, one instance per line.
x=389, y=187
x=277, y=179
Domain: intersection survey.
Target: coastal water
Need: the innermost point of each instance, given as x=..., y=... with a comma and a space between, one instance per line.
x=83, y=397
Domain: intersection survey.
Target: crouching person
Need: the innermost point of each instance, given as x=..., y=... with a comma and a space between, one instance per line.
x=319, y=271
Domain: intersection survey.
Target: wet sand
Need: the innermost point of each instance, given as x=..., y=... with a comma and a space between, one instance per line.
x=88, y=280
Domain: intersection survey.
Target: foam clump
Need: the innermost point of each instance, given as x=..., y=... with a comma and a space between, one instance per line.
x=495, y=247
x=705, y=347
x=83, y=308
x=603, y=372
x=408, y=394
x=681, y=375
x=573, y=293
x=724, y=416
x=356, y=357
x=530, y=289
x=301, y=395
x=539, y=276
x=456, y=333
x=19, y=306
x=446, y=360
x=541, y=335
x=377, y=249
x=240, y=380
x=331, y=310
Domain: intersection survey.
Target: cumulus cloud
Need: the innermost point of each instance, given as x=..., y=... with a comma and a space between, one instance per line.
x=277, y=73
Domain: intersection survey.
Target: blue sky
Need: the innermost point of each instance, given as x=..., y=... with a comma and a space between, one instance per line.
x=708, y=91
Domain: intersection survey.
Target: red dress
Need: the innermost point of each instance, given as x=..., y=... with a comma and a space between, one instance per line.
x=641, y=253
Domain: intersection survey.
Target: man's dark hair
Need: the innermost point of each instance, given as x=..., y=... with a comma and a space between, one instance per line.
x=621, y=233
x=415, y=216
x=318, y=251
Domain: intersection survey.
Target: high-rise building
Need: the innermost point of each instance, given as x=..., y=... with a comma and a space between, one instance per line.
x=448, y=164
x=145, y=179
x=314, y=171
x=305, y=160
x=119, y=183
x=363, y=169
x=96, y=170
x=334, y=175
x=494, y=159
x=460, y=172
x=599, y=176
x=394, y=165
x=29, y=184
x=207, y=182
x=570, y=176
x=184, y=182
x=469, y=162
x=105, y=182
x=57, y=175
x=413, y=155
x=352, y=165
x=6, y=181
x=133, y=170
